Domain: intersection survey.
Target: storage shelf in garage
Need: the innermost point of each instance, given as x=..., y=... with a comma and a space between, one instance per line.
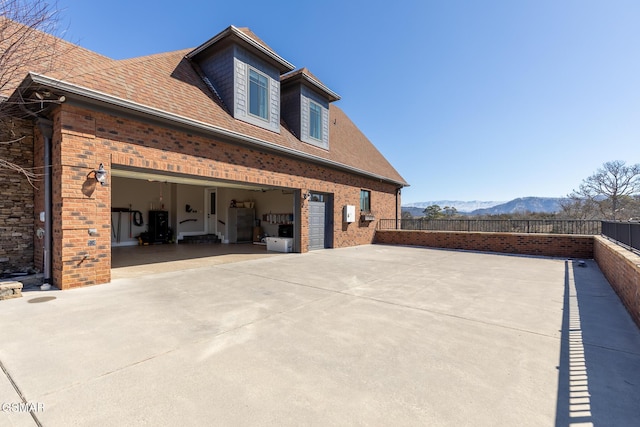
x=278, y=218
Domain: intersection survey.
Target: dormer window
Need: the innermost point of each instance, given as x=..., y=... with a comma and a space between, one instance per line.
x=258, y=94
x=245, y=73
x=305, y=107
x=315, y=120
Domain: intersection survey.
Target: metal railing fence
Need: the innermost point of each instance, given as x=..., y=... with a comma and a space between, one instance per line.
x=554, y=226
x=625, y=233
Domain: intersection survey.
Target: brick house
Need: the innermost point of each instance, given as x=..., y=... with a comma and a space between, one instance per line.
x=206, y=141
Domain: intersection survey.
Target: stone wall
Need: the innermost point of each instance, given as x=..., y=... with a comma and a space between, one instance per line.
x=16, y=200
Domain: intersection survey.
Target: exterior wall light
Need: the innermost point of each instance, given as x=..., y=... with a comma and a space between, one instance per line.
x=99, y=174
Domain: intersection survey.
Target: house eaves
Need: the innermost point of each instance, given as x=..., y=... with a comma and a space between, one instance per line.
x=308, y=80
x=234, y=33
x=102, y=98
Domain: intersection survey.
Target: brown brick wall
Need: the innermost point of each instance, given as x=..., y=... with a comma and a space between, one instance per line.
x=555, y=245
x=621, y=267
x=16, y=201
x=83, y=139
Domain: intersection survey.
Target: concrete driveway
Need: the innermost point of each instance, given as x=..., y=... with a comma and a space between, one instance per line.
x=371, y=335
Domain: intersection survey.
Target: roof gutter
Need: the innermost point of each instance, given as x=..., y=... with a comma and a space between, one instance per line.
x=123, y=103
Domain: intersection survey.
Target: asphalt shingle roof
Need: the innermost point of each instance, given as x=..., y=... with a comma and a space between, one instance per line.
x=170, y=83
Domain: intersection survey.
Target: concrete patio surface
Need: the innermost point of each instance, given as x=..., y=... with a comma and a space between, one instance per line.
x=371, y=335
x=135, y=261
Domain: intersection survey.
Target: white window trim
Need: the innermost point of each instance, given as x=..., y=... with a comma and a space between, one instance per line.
x=250, y=68
x=320, y=125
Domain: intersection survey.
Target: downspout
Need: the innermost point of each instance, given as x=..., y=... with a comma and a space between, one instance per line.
x=398, y=189
x=46, y=128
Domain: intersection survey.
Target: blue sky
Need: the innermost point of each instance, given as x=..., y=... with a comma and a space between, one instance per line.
x=468, y=99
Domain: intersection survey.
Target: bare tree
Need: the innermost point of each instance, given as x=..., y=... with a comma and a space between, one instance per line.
x=25, y=45
x=611, y=192
x=578, y=207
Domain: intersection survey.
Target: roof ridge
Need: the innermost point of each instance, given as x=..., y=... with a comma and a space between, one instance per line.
x=151, y=56
x=247, y=32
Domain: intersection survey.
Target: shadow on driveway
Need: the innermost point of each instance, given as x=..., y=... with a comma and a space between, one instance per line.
x=599, y=342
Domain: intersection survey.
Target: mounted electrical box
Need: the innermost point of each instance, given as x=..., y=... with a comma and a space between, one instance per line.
x=349, y=213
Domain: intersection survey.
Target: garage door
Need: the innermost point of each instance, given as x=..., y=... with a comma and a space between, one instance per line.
x=316, y=225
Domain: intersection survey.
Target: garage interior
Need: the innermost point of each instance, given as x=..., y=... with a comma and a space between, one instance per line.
x=158, y=218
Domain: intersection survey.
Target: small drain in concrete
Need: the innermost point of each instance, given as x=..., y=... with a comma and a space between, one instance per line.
x=40, y=299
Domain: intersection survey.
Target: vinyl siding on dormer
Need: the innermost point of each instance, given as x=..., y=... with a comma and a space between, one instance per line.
x=228, y=71
x=290, y=108
x=219, y=69
x=243, y=61
x=307, y=95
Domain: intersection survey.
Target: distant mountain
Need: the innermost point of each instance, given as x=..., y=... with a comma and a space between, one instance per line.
x=522, y=205
x=462, y=207
x=519, y=205
x=415, y=212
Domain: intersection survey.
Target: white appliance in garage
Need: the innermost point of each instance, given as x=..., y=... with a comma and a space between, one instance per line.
x=280, y=244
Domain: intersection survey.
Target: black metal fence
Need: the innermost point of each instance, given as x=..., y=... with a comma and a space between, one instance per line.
x=624, y=233
x=555, y=226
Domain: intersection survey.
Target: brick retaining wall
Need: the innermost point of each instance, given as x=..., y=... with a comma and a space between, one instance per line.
x=621, y=267
x=555, y=245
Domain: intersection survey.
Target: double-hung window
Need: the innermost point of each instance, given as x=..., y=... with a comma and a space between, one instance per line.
x=365, y=200
x=315, y=121
x=258, y=94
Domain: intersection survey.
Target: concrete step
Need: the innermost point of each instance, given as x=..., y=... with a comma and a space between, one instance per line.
x=202, y=239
